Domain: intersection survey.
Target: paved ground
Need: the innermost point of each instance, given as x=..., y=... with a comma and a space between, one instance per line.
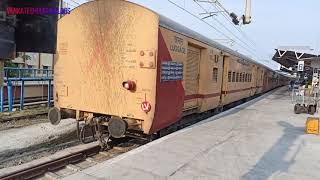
x=258, y=140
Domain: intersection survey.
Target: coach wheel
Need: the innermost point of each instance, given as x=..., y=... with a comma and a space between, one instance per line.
x=297, y=109
x=83, y=130
x=54, y=116
x=117, y=127
x=312, y=110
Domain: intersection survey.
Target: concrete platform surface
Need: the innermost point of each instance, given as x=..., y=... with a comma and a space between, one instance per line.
x=262, y=139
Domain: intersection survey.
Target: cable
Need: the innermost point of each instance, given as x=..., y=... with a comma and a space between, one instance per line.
x=218, y=6
x=244, y=35
x=71, y=5
x=223, y=34
x=199, y=19
x=224, y=26
x=75, y=2
x=242, y=32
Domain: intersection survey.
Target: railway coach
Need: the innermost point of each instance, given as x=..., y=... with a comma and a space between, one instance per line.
x=123, y=68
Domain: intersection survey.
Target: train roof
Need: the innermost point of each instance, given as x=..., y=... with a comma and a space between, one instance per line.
x=174, y=26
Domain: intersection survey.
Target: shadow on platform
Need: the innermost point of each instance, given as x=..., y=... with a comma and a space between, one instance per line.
x=274, y=159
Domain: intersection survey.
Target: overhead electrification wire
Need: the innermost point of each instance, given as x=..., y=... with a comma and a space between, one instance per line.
x=220, y=32
x=75, y=2
x=224, y=26
x=73, y=6
x=219, y=8
x=199, y=19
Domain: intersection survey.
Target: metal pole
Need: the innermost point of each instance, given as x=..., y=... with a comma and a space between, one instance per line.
x=247, y=16
x=19, y=73
x=60, y=7
x=9, y=87
x=22, y=95
x=49, y=93
x=1, y=86
x=2, y=99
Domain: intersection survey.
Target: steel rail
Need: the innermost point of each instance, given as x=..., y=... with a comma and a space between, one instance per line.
x=51, y=165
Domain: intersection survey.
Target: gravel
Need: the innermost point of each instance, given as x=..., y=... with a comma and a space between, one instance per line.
x=17, y=141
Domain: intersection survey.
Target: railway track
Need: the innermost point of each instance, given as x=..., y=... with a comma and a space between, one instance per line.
x=29, y=116
x=33, y=101
x=84, y=156
x=71, y=161
x=30, y=113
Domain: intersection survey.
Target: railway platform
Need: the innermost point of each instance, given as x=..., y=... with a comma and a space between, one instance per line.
x=261, y=139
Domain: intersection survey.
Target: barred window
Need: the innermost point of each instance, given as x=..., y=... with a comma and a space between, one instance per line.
x=233, y=77
x=229, y=76
x=216, y=58
x=215, y=74
x=237, y=78
x=243, y=77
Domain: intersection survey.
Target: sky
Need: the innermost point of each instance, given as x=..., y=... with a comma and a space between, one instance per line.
x=274, y=23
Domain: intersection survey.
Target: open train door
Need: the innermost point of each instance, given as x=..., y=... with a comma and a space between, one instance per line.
x=257, y=80
x=191, y=78
x=226, y=79
x=265, y=81
x=255, y=71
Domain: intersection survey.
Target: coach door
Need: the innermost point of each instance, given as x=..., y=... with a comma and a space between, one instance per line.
x=191, y=77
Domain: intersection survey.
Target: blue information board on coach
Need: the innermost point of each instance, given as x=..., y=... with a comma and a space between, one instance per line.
x=171, y=71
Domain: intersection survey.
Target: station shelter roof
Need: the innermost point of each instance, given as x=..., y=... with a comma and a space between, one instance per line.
x=290, y=58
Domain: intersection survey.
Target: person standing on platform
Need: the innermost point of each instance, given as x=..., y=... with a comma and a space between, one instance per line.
x=291, y=85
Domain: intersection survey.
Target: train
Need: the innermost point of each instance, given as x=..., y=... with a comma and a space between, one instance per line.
x=122, y=68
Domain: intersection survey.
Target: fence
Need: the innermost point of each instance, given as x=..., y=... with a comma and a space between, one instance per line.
x=23, y=75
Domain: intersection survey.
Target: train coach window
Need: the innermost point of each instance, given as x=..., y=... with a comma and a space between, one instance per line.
x=246, y=77
x=240, y=77
x=243, y=77
x=237, y=77
x=229, y=76
x=233, y=77
x=215, y=74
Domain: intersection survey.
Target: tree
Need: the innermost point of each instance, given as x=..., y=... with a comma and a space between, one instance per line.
x=12, y=65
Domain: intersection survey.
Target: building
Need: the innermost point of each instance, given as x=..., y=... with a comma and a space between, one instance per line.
x=34, y=60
